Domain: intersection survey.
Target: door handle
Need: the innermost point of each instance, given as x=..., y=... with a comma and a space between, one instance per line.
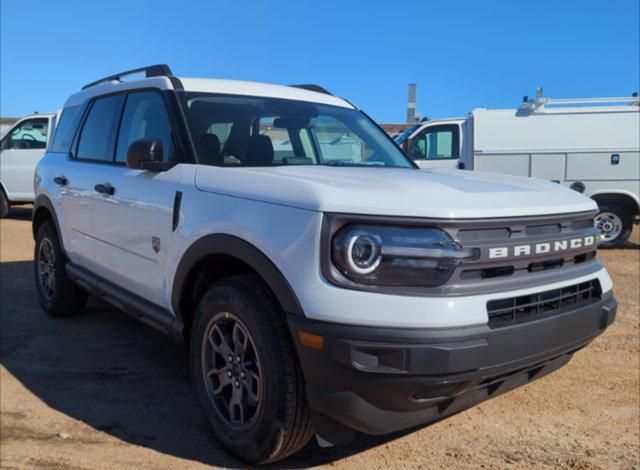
x=105, y=189
x=60, y=180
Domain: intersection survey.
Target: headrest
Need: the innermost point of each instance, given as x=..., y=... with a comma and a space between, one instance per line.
x=210, y=150
x=259, y=151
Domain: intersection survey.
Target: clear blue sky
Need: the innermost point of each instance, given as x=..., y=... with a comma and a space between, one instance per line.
x=462, y=54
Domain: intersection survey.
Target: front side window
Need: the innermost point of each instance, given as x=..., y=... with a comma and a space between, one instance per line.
x=436, y=143
x=257, y=131
x=144, y=117
x=97, y=136
x=29, y=134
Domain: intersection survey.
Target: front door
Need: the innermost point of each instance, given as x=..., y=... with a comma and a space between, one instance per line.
x=20, y=151
x=132, y=222
x=436, y=147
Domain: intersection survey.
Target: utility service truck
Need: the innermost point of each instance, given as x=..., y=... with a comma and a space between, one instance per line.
x=591, y=145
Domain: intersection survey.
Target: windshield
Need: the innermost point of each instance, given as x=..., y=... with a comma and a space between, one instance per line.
x=256, y=131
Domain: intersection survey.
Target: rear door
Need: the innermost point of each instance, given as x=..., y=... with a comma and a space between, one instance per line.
x=91, y=154
x=133, y=225
x=436, y=146
x=20, y=151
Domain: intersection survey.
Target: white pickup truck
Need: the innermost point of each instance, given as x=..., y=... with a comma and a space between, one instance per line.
x=21, y=148
x=591, y=145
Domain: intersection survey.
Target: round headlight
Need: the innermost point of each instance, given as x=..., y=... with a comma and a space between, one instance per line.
x=364, y=253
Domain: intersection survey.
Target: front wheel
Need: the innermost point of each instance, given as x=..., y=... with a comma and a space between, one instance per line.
x=615, y=224
x=246, y=373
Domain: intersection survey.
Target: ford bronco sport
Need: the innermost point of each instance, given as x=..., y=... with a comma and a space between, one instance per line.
x=323, y=283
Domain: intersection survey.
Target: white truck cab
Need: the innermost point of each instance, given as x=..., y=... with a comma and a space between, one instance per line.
x=21, y=148
x=590, y=145
x=323, y=283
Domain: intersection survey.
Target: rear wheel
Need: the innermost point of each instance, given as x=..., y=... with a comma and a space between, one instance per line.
x=615, y=224
x=246, y=372
x=58, y=294
x=5, y=206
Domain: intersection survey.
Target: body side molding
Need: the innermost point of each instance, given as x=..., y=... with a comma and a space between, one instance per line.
x=130, y=303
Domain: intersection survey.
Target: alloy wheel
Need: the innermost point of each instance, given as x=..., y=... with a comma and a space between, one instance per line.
x=231, y=370
x=46, y=268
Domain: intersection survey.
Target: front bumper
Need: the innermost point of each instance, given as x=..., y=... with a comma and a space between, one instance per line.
x=380, y=380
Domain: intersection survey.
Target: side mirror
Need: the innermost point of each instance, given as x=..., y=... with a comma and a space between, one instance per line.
x=146, y=154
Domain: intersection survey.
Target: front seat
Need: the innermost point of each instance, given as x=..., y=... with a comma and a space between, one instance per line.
x=259, y=151
x=210, y=150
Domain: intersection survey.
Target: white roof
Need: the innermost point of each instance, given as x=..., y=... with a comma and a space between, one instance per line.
x=238, y=87
x=210, y=85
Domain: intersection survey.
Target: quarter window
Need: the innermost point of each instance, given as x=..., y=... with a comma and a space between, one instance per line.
x=144, y=117
x=96, y=139
x=29, y=134
x=66, y=129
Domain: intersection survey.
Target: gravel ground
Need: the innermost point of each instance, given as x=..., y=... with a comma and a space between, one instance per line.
x=103, y=390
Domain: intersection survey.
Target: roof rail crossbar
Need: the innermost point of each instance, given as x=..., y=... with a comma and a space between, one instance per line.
x=158, y=70
x=312, y=87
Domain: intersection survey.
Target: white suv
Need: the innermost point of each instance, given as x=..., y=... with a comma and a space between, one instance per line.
x=322, y=282
x=21, y=148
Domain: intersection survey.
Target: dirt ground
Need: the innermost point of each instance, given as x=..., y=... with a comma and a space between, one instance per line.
x=103, y=390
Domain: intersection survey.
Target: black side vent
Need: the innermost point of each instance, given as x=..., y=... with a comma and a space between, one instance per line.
x=505, y=312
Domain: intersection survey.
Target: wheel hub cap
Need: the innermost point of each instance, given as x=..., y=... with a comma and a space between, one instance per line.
x=610, y=225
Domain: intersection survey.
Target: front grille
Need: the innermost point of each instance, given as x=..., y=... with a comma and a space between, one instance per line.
x=582, y=224
x=542, y=229
x=505, y=312
x=480, y=234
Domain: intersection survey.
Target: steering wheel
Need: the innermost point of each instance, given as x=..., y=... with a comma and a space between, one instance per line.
x=27, y=137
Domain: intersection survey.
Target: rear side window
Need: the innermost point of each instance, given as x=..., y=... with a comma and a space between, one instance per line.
x=97, y=136
x=145, y=117
x=66, y=129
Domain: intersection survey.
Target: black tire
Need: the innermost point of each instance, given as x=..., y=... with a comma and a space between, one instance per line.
x=5, y=206
x=280, y=425
x=61, y=298
x=626, y=220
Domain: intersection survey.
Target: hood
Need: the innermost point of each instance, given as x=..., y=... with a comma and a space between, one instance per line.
x=394, y=192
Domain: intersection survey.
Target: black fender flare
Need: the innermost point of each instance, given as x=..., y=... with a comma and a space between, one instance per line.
x=224, y=244
x=42, y=201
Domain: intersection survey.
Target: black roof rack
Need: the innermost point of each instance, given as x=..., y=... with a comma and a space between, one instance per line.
x=312, y=87
x=159, y=70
